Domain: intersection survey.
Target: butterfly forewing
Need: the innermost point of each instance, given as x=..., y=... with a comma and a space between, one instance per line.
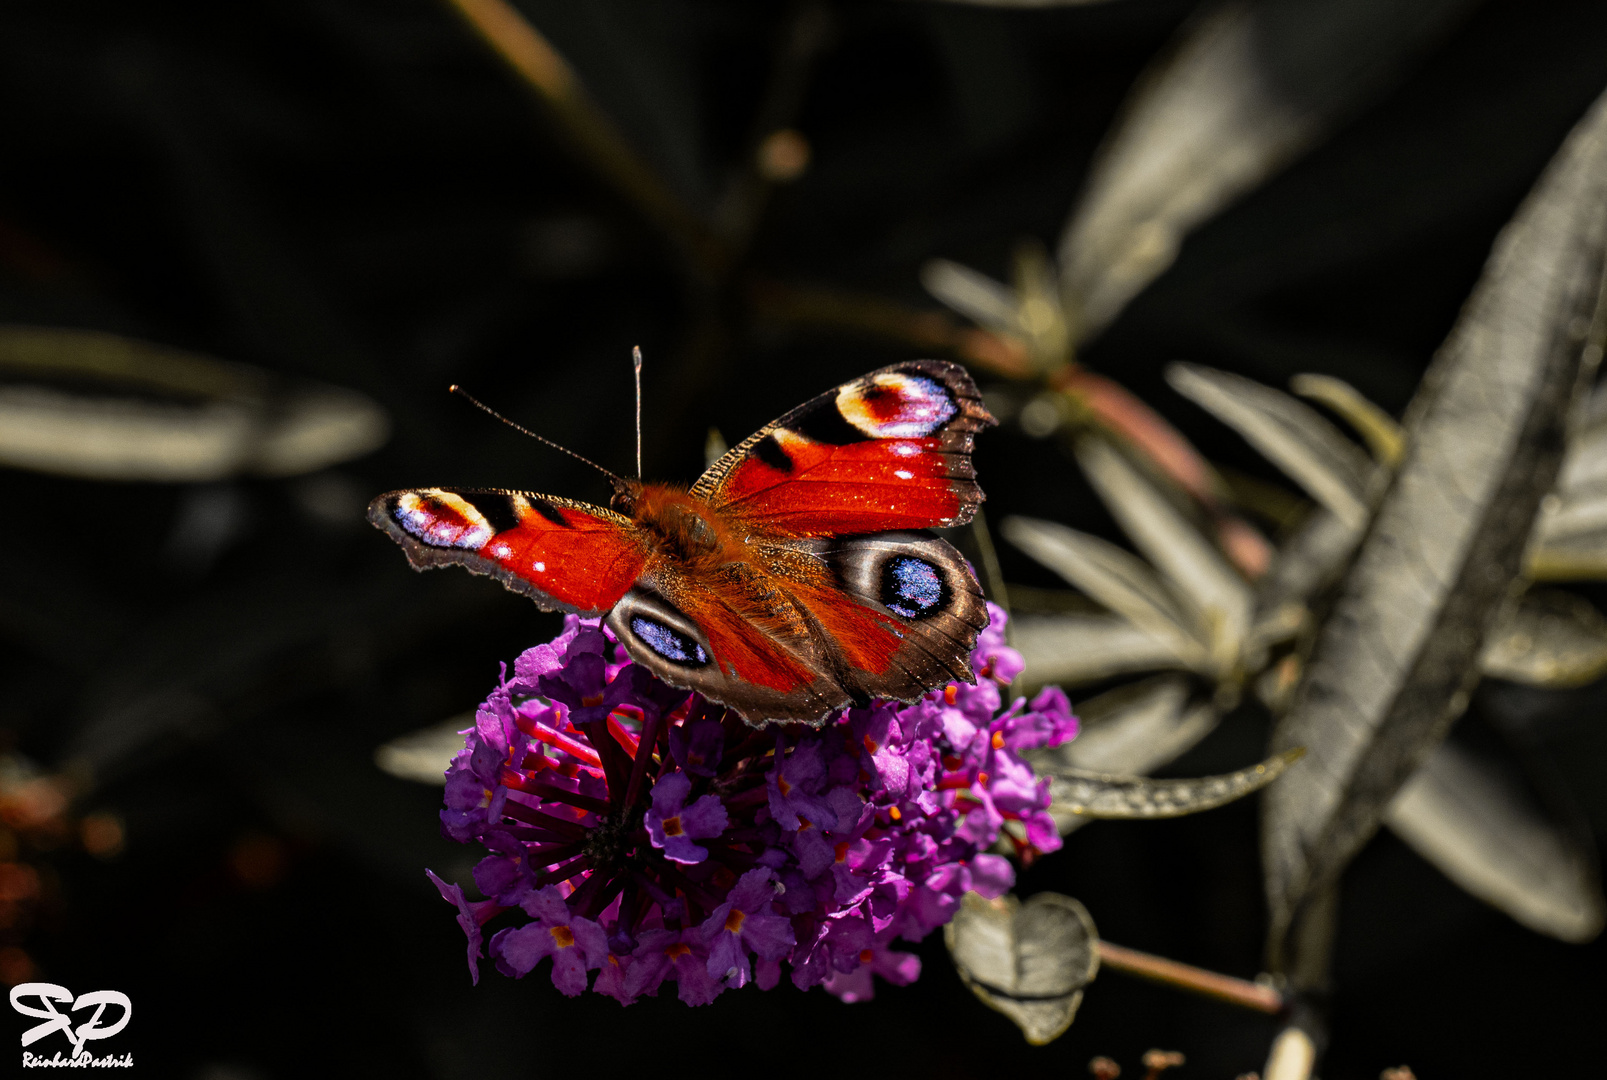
x=564, y=555
x=890, y=450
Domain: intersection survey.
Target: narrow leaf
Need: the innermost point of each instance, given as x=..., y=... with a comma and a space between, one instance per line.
x=1291, y=434
x=1377, y=428
x=1132, y=729
x=1585, y=465
x=1173, y=546
x=1472, y=819
x=1570, y=535
x=423, y=755
x=1028, y=961
x=1116, y=579
x=1307, y=562
x=1073, y=649
x=101, y=406
x=1550, y=638
x=1393, y=667
x=1105, y=795
x=978, y=297
x=1247, y=90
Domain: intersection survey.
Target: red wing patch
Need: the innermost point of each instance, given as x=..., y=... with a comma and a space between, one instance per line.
x=564, y=555
x=691, y=635
x=890, y=450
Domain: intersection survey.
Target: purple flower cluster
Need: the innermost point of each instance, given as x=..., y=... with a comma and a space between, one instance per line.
x=649, y=835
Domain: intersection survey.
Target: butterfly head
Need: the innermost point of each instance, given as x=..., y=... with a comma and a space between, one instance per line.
x=627, y=495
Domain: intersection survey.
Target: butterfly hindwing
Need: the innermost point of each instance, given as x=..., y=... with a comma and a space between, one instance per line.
x=564, y=555
x=924, y=585
x=827, y=623
x=889, y=450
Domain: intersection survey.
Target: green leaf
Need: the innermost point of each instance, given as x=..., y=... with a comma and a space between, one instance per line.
x=96, y=405
x=1104, y=795
x=1471, y=818
x=1120, y=581
x=1291, y=434
x=423, y=755
x=1393, y=667
x=1248, y=89
x=1028, y=961
x=1549, y=638
x=1173, y=545
x=1073, y=649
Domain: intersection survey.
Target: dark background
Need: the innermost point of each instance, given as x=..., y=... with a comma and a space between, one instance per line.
x=359, y=192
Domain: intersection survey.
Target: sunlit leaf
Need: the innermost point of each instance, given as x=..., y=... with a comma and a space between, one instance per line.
x=1570, y=535
x=97, y=405
x=1305, y=563
x=1173, y=545
x=1133, y=729
x=1291, y=434
x=978, y=297
x=1069, y=650
x=1030, y=961
x=1549, y=638
x=1248, y=89
x=423, y=755
x=1116, y=579
x=1377, y=428
x=1473, y=820
x=1393, y=667
x=1108, y=795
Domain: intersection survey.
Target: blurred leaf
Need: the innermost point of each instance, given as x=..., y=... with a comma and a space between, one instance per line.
x=1377, y=428
x=1305, y=563
x=423, y=755
x=1248, y=88
x=1585, y=465
x=1132, y=729
x=1570, y=536
x=1549, y=638
x=96, y=405
x=988, y=303
x=1108, y=795
x=1116, y=579
x=1074, y=649
x=1291, y=435
x=1028, y=961
x=1173, y=545
x=1472, y=819
x=1393, y=667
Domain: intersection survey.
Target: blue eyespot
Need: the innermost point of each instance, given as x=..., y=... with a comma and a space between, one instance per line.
x=912, y=587
x=671, y=644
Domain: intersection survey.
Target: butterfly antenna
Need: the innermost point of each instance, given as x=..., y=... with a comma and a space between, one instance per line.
x=477, y=403
x=636, y=357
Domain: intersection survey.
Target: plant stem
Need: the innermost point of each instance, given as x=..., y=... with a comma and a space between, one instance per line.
x=589, y=130
x=1226, y=988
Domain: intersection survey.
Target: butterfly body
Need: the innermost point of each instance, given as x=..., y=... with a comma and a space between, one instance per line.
x=790, y=580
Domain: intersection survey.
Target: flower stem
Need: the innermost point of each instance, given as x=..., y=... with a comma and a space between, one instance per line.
x=1239, y=992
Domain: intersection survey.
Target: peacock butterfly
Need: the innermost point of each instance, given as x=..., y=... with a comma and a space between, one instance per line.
x=792, y=579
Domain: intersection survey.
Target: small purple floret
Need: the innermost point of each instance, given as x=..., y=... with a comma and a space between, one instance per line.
x=672, y=825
